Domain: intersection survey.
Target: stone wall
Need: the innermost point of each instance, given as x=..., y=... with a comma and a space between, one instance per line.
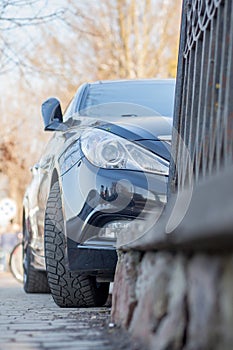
x=175, y=300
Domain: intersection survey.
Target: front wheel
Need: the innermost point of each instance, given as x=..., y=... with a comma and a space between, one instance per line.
x=68, y=288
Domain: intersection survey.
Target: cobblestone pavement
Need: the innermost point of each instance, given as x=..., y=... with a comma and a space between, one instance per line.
x=31, y=322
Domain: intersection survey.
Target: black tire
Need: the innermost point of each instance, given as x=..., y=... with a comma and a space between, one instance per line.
x=68, y=288
x=34, y=281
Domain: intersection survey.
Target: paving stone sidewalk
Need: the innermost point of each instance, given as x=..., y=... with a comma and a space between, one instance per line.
x=34, y=322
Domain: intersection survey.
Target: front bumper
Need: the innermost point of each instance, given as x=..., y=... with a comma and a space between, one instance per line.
x=94, y=197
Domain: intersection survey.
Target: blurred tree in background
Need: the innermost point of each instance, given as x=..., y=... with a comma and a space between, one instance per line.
x=49, y=50
x=129, y=38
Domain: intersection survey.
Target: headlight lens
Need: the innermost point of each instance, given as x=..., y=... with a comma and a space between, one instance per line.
x=70, y=157
x=106, y=150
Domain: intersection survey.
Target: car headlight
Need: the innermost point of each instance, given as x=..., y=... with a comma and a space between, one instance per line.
x=70, y=157
x=106, y=150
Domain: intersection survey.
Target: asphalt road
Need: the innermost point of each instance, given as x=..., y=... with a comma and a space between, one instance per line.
x=31, y=322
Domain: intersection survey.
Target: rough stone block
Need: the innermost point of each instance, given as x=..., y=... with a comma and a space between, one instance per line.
x=225, y=305
x=151, y=294
x=124, y=297
x=203, y=297
x=171, y=329
x=160, y=315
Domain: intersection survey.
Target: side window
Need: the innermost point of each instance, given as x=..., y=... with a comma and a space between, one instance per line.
x=69, y=110
x=81, y=97
x=76, y=102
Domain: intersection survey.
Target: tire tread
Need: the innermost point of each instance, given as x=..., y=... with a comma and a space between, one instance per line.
x=68, y=288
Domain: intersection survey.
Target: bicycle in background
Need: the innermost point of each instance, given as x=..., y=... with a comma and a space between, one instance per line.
x=16, y=259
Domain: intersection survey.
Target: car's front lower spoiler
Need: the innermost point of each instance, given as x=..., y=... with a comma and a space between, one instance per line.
x=92, y=261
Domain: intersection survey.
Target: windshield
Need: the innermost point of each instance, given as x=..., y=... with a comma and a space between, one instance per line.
x=129, y=99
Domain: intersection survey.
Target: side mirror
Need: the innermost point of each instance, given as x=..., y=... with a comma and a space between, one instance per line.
x=52, y=114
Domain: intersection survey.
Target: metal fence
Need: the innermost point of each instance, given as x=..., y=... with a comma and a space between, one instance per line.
x=203, y=143
x=199, y=210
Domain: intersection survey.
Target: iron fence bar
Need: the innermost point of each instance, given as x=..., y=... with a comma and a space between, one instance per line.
x=228, y=135
x=177, y=106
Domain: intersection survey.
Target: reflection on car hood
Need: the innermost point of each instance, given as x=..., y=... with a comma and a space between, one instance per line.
x=140, y=128
x=132, y=128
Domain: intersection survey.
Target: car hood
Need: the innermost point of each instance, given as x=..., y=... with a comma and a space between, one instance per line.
x=140, y=128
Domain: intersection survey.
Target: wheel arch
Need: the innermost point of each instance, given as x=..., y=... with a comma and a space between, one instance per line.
x=26, y=224
x=54, y=178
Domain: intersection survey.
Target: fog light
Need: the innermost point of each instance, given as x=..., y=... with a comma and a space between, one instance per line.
x=113, y=228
